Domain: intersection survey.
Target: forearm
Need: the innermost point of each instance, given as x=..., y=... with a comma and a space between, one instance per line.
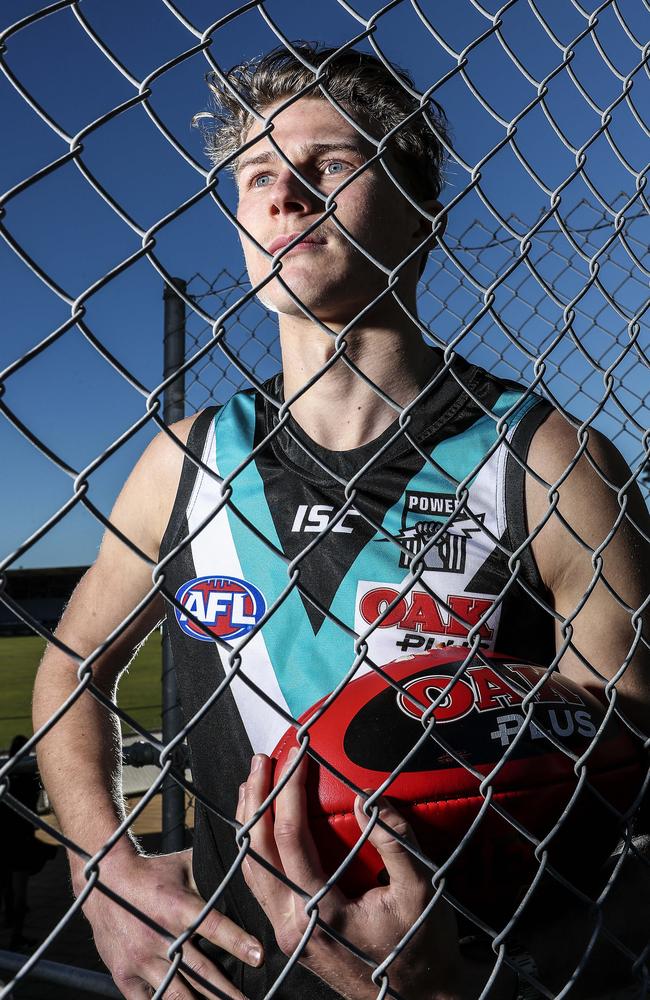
x=80, y=762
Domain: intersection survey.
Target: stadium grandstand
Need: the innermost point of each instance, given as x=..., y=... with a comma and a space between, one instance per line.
x=42, y=593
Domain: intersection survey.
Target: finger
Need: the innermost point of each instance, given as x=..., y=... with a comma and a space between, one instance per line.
x=240, y=812
x=219, y=929
x=263, y=883
x=296, y=847
x=181, y=988
x=202, y=974
x=240, y=816
x=176, y=990
x=405, y=872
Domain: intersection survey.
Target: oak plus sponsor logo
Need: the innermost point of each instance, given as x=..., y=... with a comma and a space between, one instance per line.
x=423, y=517
x=419, y=622
x=224, y=605
x=312, y=518
x=482, y=689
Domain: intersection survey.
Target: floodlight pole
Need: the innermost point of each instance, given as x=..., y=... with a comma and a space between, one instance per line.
x=173, y=795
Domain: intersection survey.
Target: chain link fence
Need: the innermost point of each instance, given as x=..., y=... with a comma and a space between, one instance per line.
x=594, y=373
x=554, y=299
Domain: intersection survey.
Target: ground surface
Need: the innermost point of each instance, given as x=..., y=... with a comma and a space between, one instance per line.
x=139, y=691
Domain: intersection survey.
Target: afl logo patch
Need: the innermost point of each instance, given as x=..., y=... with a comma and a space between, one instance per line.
x=227, y=607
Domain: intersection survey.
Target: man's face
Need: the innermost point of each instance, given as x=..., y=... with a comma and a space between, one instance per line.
x=326, y=272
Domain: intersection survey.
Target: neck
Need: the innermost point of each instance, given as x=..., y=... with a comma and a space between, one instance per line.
x=340, y=411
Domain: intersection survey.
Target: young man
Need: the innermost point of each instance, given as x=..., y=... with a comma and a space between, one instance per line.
x=232, y=523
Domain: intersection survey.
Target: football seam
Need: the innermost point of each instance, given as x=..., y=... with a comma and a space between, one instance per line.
x=428, y=802
x=414, y=804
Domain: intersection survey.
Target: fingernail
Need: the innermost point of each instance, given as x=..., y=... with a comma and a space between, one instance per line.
x=242, y=791
x=362, y=818
x=255, y=954
x=293, y=753
x=257, y=760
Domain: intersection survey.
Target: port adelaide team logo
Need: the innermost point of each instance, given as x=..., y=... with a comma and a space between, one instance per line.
x=224, y=605
x=422, y=515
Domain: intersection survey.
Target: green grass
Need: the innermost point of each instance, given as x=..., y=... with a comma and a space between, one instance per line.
x=139, y=691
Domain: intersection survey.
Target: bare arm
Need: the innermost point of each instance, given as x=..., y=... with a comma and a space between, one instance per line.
x=88, y=734
x=80, y=757
x=588, y=528
x=106, y=596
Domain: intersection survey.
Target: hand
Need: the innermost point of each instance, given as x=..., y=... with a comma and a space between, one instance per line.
x=162, y=887
x=429, y=966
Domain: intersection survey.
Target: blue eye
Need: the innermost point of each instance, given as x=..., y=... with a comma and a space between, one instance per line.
x=261, y=177
x=338, y=165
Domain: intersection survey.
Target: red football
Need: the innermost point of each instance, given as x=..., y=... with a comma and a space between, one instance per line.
x=368, y=730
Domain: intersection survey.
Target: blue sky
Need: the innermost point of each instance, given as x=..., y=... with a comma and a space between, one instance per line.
x=77, y=404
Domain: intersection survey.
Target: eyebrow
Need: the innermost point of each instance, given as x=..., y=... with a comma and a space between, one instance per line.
x=308, y=149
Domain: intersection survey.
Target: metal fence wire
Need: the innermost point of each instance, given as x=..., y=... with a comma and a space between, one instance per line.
x=449, y=304
x=556, y=302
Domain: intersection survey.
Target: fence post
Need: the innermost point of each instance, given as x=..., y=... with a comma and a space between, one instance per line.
x=173, y=796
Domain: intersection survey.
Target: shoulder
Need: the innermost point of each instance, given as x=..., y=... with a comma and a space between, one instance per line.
x=166, y=450
x=145, y=503
x=164, y=455
x=580, y=495
x=559, y=446
x=578, y=464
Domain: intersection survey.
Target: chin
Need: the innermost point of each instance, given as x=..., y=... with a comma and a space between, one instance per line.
x=318, y=291
x=267, y=301
x=276, y=299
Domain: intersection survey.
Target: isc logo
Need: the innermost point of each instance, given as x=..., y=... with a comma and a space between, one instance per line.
x=317, y=517
x=226, y=606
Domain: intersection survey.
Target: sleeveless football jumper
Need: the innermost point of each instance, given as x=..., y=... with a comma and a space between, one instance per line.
x=235, y=549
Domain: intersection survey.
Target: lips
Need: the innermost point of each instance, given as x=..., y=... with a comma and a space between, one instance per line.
x=281, y=241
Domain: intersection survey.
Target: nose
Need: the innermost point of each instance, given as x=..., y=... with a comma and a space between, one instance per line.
x=290, y=195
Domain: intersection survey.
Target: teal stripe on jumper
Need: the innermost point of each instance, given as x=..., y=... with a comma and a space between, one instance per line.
x=306, y=666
